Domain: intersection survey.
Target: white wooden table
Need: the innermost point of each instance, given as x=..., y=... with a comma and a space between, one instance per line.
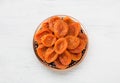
x=18, y=21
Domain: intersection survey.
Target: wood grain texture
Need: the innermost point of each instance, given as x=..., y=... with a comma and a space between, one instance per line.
x=19, y=20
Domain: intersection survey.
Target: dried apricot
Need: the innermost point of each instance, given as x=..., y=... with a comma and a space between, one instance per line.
x=73, y=42
x=45, y=24
x=48, y=40
x=83, y=36
x=76, y=57
x=59, y=64
x=41, y=51
x=52, y=21
x=60, y=28
x=50, y=55
x=39, y=34
x=68, y=20
x=60, y=45
x=79, y=49
x=65, y=58
x=74, y=29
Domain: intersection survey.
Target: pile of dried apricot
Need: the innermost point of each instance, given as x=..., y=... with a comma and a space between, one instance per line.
x=60, y=41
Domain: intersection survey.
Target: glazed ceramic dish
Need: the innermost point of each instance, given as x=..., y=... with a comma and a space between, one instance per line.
x=60, y=42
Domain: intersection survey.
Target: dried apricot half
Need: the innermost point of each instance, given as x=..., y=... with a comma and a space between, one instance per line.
x=39, y=34
x=45, y=25
x=73, y=42
x=41, y=51
x=83, y=36
x=48, y=40
x=65, y=58
x=74, y=29
x=60, y=45
x=76, y=57
x=50, y=55
x=52, y=21
x=67, y=19
x=80, y=48
x=60, y=28
x=59, y=64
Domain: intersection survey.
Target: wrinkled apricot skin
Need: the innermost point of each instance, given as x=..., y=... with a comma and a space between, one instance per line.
x=39, y=34
x=45, y=25
x=82, y=45
x=83, y=37
x=52, y=22
x=65, y=58
x=48, y=40
x=67, y=20
x=76, y=57
x=73, y=42
x=60, y=28
x=59, y=64
x=50, y=55
x=41, y=51
x=74, y=29
x=80, y=48
x=60, y=45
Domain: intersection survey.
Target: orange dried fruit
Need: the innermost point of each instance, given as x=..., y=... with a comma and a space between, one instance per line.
x=80, y=48
x=65, y=58
x=45, y=25
x=74, y=29
x=67, y=19
x=52, y=22
x=60, y=45
x=73, y=42
x=39, y=34
x=50, y=55
x=59, y=64
x=48, y=40
x=60, y=28
x=83, y=36
x=41, y=51
x=76, y=57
